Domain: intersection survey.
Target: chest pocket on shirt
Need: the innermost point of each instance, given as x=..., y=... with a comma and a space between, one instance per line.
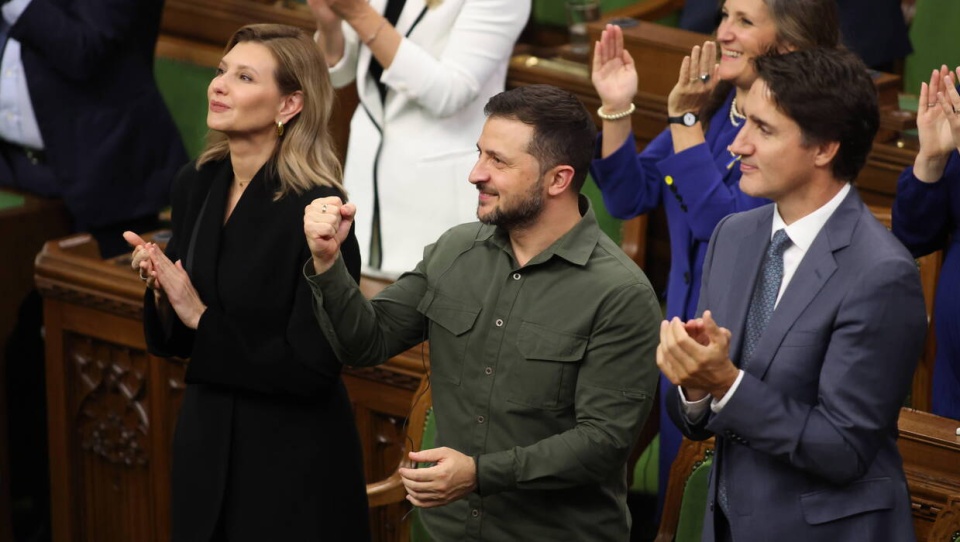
x=450, y=323
x=546, y=376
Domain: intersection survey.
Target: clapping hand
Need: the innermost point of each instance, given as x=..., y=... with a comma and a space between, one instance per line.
x=697, y=79
x=949, y=100
x=936, y=133
x=696, y=356
x=179, y=290
x=140, y=262
x=614, y=74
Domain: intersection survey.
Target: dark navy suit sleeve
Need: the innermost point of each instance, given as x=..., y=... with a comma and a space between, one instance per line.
x=922, y=214
x=78, y=41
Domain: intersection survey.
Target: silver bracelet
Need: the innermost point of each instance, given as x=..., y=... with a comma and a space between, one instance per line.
x=616, y=116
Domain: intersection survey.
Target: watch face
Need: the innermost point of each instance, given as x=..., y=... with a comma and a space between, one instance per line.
x=689, y=119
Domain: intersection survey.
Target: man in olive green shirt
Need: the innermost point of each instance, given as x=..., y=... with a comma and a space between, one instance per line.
x=542, y=337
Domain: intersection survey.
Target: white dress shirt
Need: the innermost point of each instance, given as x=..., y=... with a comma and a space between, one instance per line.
x=801, y=234
x=18, y=123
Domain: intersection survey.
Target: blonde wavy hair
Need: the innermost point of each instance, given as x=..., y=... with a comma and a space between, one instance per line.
x=304, y=157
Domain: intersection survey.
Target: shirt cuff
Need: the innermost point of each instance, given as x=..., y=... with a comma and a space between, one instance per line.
x=693, y=410
x=717, y=406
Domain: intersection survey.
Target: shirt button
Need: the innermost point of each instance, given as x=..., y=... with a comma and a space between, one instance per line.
x=516, y=276
x=480, y=419
x=475, y=513
x=499, y=322
x=488, y=371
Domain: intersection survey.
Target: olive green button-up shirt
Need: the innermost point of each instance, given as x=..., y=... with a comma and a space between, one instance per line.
x=544, y=372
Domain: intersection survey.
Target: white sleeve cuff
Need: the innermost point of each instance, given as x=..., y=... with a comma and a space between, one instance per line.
x=693, y=410
x=717, y=406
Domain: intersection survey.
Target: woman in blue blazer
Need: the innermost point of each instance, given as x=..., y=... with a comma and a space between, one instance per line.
x=926, y=217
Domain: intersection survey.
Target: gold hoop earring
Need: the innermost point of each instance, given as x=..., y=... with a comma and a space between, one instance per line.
x=279, y=128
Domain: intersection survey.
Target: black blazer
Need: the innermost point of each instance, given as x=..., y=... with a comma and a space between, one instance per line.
x=108, y=135
x=265, y=441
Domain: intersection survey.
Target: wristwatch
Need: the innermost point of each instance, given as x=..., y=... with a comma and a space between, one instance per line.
x=687, y=119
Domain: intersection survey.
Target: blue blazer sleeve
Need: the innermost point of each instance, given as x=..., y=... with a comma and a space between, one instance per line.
x=922, y=215
x=633, y=184
x=629, y=182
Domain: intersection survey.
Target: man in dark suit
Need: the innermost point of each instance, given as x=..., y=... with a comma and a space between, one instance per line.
x=80, y=114
x=80, y=119
x=812, y=323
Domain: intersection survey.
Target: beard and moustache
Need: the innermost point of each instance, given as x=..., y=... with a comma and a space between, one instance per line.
x=519, y=215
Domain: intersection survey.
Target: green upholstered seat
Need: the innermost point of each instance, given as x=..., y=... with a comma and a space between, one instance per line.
x=646, y=473
x=694, y=503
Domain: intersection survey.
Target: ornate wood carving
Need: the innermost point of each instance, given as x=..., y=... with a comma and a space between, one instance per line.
x=947, y=526
x=112, y=418
x=931, y=453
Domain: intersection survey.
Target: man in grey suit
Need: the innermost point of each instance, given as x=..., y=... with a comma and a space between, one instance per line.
x=812, y=323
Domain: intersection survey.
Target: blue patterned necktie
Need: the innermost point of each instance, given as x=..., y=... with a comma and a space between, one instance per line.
x=764, y=295
x=762, y=303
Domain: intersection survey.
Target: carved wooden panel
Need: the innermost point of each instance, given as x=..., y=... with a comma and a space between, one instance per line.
x=108, y=449
x=113, y=408
x=112, y=419
x=947, y=526
x=931, y=460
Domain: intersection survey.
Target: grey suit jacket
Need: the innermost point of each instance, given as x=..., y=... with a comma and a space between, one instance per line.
x=807, y=443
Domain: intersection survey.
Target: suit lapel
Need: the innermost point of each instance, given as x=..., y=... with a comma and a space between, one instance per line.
x=366, y=86
x=413, y=12
x=816, y=268
x=210, y=225
x=749, y=256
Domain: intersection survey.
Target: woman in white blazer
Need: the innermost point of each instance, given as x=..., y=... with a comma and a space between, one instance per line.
x=413, y=143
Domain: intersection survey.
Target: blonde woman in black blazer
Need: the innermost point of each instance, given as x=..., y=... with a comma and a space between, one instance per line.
x=265, y=447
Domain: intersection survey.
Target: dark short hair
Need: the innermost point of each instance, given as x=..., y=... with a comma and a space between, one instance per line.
x=563, y=130
x=830, y=95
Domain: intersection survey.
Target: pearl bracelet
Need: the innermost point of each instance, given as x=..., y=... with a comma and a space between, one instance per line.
x=616, y=116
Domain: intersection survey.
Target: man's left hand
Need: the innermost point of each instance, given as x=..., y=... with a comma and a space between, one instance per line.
x=696, y=356
x=452, y=476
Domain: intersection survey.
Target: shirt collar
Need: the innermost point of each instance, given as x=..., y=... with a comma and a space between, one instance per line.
x=575, y=246
x=804, y=231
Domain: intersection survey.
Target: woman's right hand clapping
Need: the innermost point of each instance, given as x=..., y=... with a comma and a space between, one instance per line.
x=140, y=262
